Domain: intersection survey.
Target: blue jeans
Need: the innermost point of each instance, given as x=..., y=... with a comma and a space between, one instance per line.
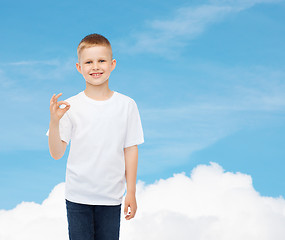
x=93, y=222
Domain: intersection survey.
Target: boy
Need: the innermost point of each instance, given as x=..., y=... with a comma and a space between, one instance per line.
x=105, y=128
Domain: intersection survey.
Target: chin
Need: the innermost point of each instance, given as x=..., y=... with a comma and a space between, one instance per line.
x=96, y=83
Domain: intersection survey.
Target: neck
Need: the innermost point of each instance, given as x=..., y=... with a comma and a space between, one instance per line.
x=99, y=93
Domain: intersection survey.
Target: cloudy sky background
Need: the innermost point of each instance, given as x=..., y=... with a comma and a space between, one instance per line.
x=209, y=204
x=208, y=78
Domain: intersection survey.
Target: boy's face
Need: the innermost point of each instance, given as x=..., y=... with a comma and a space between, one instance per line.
x=96, y=64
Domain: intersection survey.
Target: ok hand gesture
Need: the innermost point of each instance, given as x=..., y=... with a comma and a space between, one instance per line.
x=56, y=112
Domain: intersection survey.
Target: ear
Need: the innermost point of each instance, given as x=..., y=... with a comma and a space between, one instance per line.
x=78, y=67
x=114, y=62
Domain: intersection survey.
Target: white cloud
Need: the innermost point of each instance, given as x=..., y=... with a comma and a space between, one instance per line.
x=33, y=62
x=31, y=221
x=211, y=204
x=161, y=36
x=35, y=71
x=167, y=36
x=241, y=4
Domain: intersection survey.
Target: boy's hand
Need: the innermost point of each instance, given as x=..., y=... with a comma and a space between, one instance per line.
x=56, y=112
x=130, y=201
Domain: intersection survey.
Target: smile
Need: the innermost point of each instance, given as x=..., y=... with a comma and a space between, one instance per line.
x=96, y=74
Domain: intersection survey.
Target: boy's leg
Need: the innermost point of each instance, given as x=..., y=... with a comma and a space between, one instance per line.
x=80, y=221
x=107, y=222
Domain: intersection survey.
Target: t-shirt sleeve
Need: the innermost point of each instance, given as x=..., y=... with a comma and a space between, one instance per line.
x=134, y=132
x=65, y=128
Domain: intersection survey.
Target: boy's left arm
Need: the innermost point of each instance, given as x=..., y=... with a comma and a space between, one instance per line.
x=131, y=164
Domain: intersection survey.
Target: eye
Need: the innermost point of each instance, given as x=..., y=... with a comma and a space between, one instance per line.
x=102, y=60
x=88, y=62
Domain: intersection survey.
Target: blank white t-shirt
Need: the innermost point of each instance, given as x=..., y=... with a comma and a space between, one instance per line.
x=98, y=132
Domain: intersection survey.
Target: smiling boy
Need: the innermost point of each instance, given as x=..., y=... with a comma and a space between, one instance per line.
x=104, y=129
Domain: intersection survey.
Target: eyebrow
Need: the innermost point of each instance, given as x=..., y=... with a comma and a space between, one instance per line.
x=99, y=58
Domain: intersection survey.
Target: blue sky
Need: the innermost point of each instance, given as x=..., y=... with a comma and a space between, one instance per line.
x=208, y=78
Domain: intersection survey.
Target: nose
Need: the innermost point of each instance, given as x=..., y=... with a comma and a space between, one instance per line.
x=95, y=65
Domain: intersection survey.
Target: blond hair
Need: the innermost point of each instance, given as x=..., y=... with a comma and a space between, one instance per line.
x=92, y=40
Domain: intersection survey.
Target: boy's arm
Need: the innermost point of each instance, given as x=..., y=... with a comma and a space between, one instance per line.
x=131, y=163
x=56, y=145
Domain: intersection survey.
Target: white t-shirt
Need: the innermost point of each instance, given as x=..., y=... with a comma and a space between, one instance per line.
x=98, y=132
